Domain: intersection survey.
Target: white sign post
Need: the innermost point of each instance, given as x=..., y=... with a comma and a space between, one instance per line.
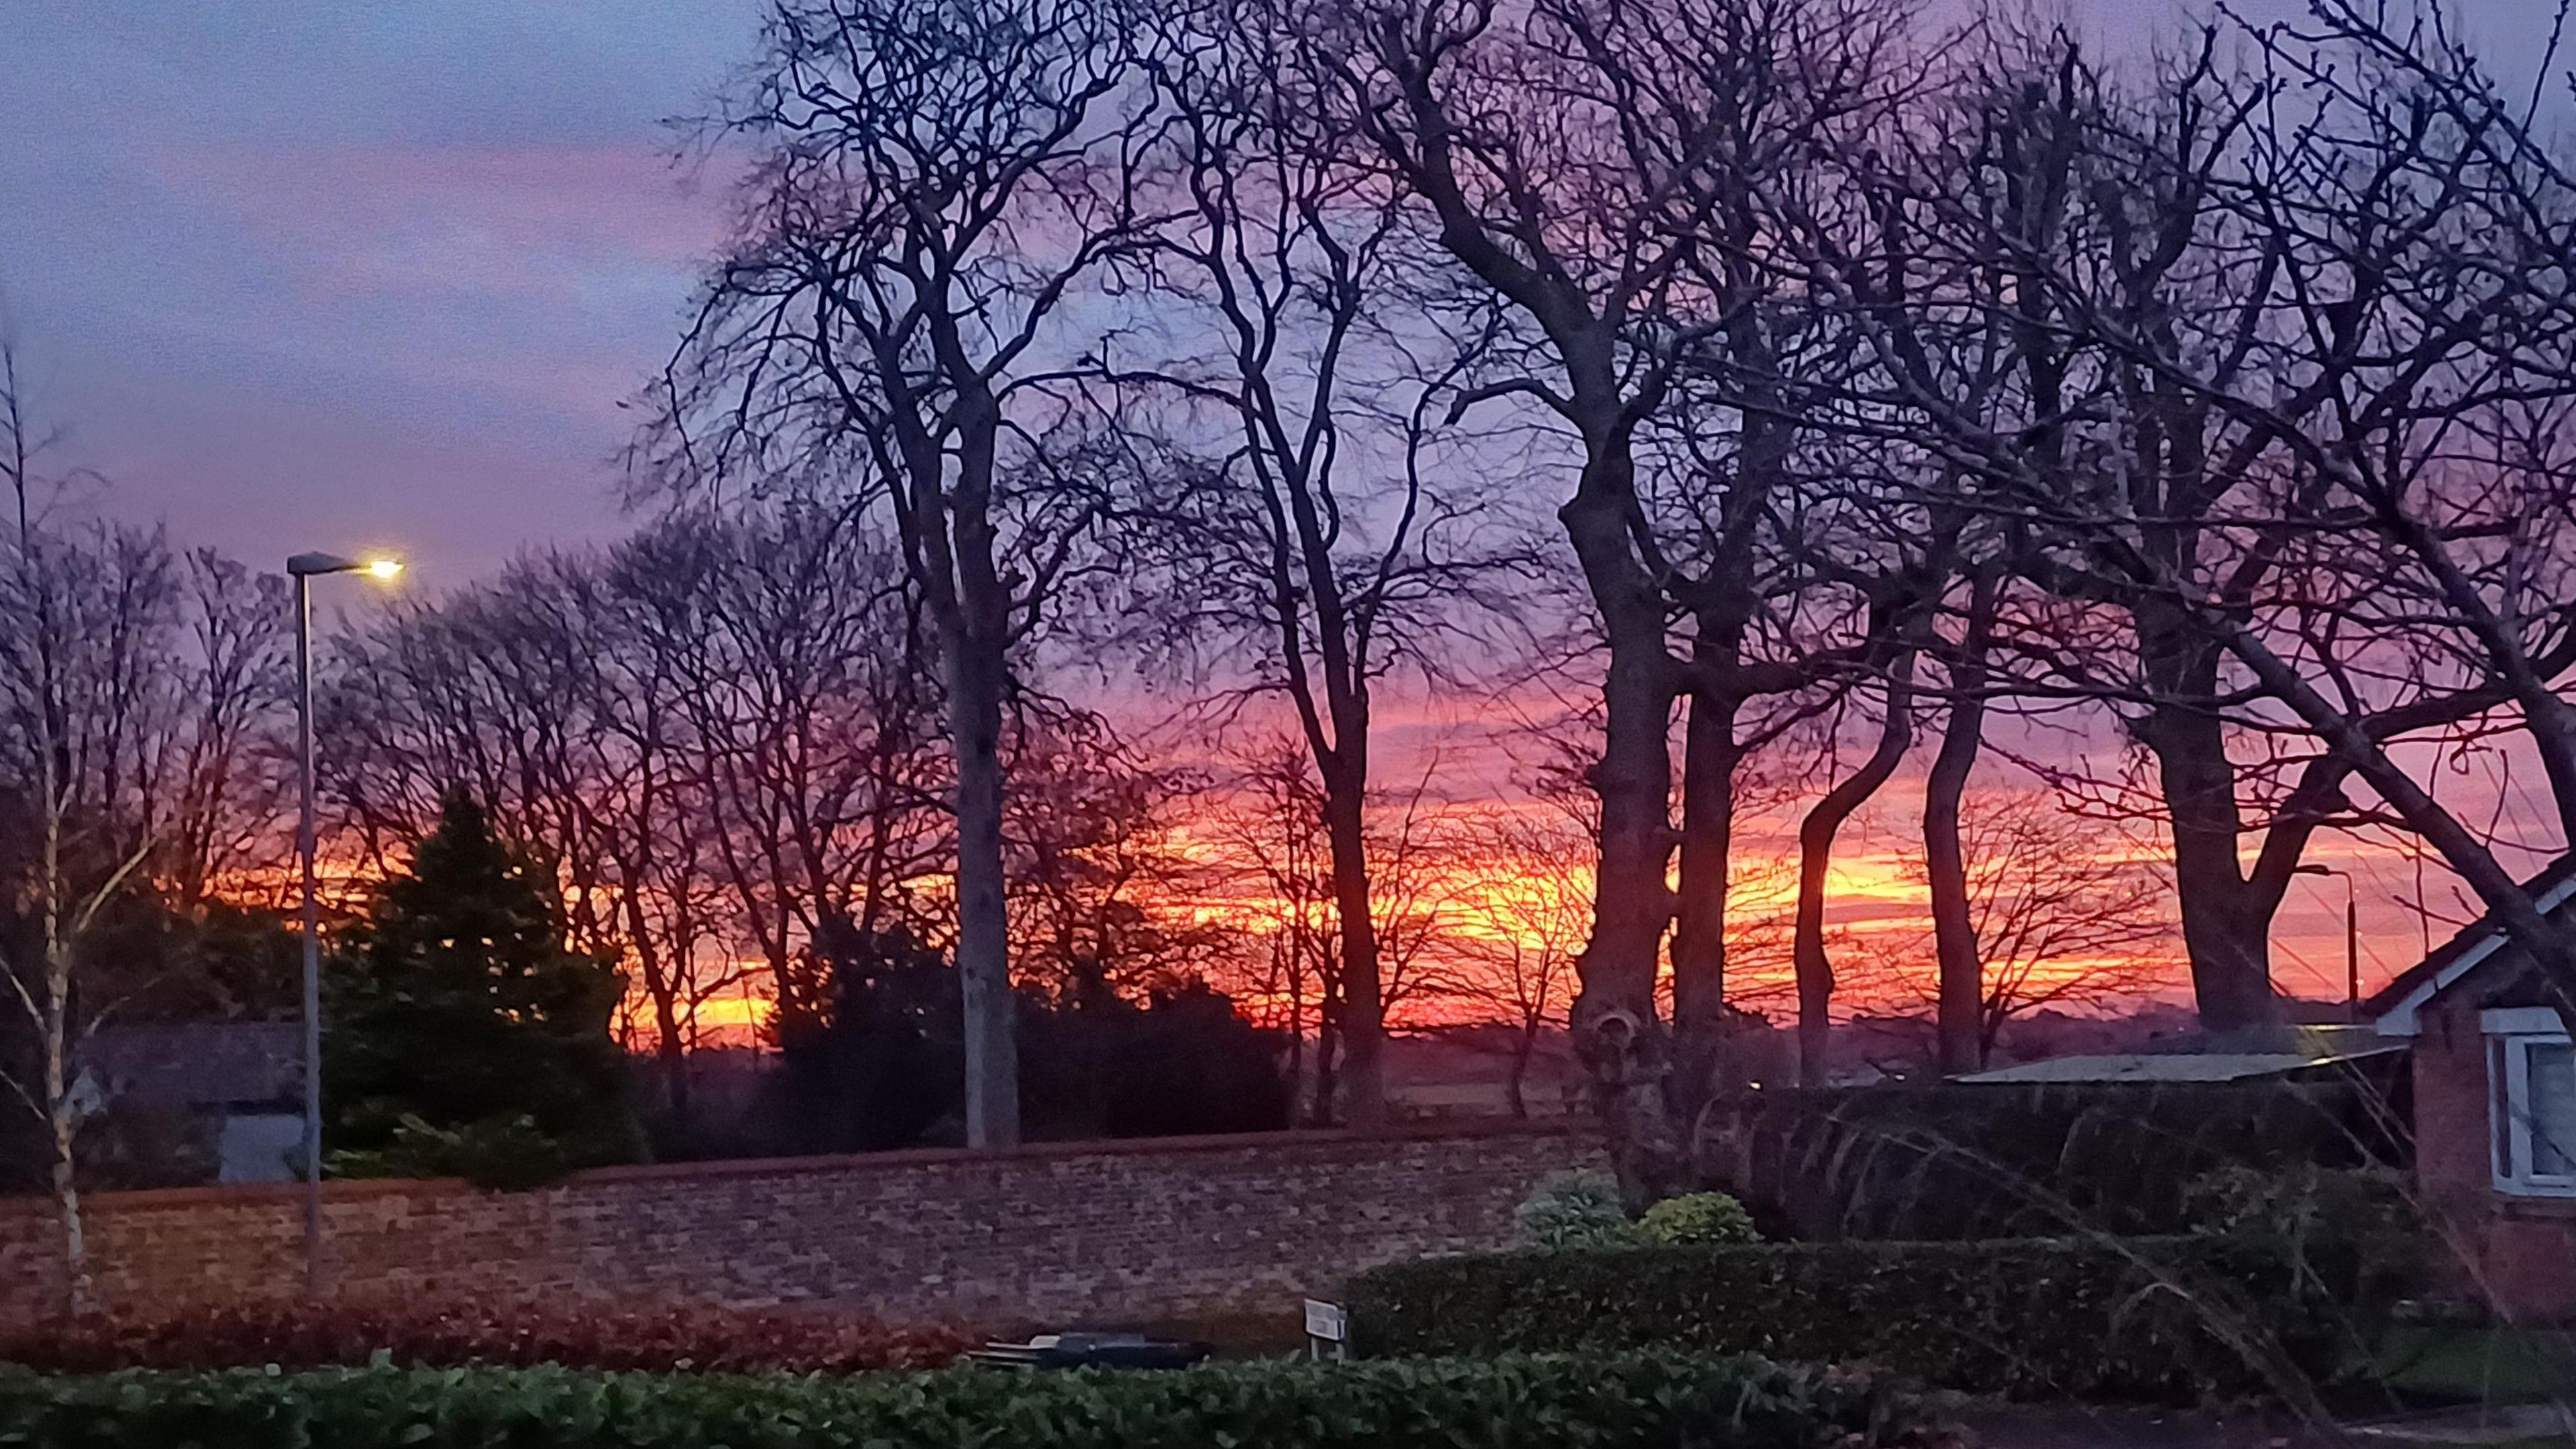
x=1327, y=1324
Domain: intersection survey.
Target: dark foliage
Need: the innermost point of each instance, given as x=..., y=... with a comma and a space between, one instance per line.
x=880, y=1064
x=211, y=961
x=1181, y=1061
x=465, y=1038
x=434, y=1331
x=1998, y=1161
x=2156, y=1320
x=879, y=1061
x=1628, y=1402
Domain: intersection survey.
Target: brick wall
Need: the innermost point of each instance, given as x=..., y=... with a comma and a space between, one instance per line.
x=2515, y=1255
x=1159, y=1230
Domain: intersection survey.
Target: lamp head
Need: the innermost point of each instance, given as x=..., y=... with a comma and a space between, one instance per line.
x=304, y=565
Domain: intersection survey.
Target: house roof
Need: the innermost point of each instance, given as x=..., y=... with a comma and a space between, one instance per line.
x=201, y=1064
x=2393, y=1006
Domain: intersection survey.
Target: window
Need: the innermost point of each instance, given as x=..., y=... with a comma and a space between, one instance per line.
x=2531, y=1070
x=2553, y=1108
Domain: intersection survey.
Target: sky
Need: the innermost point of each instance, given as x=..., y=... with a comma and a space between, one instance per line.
x=378, y=275
x=303, y=275
x=310, y=275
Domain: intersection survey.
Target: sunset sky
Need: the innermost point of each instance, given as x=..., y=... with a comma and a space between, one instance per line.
x=310, y=275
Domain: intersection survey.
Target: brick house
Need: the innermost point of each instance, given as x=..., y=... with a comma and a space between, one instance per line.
x=2495, y=1112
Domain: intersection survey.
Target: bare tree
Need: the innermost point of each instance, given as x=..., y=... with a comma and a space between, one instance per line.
x=227, y=816
x=714, y=733
x=934, y=181
x=2287, y=335
x=1521, y=927
x=1961, y=1043
x=1569, y=157
x=1294, y=541
x=1265, y=830
x=81, y=706
x=1816, y=832
x=2116, y=319
x=2061, y=911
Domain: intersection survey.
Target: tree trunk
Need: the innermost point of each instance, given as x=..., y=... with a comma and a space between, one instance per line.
x=1615, y=1026
x=1722, y=613
x=1710, y=756
x=1363, y=1015
x=2226, y=927
x=62, y=1119
x=78, y=1294
x=671, y=1056
x=661, y=992
x=1515, y=1087
x=975, y=672
x=1815, y=973
x=1961, y=1036
x=1328, y=1051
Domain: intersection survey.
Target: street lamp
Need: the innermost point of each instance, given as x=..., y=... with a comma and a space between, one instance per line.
x=301, y=568
x=2351, y=940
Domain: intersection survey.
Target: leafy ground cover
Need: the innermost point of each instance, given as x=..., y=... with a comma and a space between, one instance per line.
x=1604, y=1402
x=443, y=1332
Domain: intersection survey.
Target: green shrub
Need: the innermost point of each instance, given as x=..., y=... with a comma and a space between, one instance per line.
x=2164, y=1320
x=1574, y=1209
x=1605, y=1402
x=1705, y=1218
x=445, y=1331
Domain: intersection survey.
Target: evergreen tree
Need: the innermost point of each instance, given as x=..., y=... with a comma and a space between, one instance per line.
x=463, y=1037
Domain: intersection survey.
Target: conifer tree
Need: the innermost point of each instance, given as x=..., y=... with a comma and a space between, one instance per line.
x=464, y=1038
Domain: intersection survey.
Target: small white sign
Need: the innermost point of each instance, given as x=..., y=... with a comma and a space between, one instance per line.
x=1326, y=1321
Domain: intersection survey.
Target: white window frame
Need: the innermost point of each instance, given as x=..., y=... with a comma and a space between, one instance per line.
x=2511, y=1033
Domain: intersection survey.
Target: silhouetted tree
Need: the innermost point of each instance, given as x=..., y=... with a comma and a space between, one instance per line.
x=465, y=1038
x=934, y=181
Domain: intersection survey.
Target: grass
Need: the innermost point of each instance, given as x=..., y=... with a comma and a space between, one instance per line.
x=2479, y=1365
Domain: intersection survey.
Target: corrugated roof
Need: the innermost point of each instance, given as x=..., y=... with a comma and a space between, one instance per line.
x=2173, y=1067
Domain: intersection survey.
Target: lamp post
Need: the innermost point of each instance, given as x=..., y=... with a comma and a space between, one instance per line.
x=2351, y=940
x=301, y=568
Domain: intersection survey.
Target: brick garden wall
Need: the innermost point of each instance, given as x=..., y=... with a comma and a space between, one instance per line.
x=1146, y=1231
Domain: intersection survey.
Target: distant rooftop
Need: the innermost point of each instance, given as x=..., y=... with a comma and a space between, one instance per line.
x=202, y=1064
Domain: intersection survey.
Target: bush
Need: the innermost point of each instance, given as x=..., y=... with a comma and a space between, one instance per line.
x=1575, y=1209
x=431, y=1332
x=2357, y=1232
x=1708, y=1219
x=1610, y=1403
x=2163, y=1320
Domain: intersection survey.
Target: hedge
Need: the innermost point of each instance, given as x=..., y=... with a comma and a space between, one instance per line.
x=2161, y=1320
x=1977, y=1161
x=1647, y=1402
x=434, y=1331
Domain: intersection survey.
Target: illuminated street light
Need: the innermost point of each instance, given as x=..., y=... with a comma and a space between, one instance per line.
x=2351, y=938
x=301, y=568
